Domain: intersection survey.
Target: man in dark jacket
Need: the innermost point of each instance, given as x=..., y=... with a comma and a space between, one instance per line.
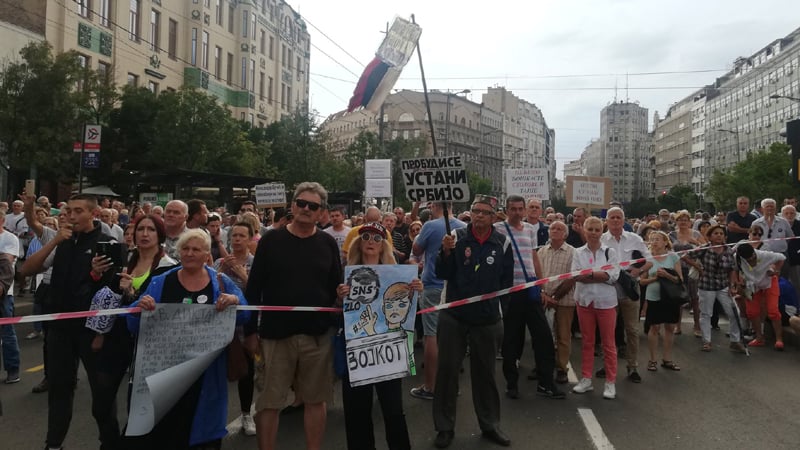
x=77, y=274
x=473, y=261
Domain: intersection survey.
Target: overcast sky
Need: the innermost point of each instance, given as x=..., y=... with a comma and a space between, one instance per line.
x=560, y=55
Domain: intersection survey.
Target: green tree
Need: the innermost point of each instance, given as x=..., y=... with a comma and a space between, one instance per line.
x=479, y=185
x=298, y=149
x=41, y=108
x=678, y=197
x=763, y=174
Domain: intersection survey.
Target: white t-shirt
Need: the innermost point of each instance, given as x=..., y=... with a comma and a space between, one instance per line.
x=9, y=244
x=16, y=223
x=339, y=236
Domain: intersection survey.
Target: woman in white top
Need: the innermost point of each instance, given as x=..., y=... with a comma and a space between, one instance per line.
x=596, y=303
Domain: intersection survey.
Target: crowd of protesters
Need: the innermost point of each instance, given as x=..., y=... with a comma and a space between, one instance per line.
x=743, y=265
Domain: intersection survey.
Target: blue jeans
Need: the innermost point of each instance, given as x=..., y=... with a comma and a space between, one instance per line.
x=9, y=337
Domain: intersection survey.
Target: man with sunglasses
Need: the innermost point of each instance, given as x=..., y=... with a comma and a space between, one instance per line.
x=474, y=260
x=776, y=228
x=297, y=265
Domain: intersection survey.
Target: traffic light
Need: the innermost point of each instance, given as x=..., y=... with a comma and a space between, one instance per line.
x=793, y=139
x=663, y=192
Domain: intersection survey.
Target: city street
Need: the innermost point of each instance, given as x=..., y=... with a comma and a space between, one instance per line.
x=719, y=400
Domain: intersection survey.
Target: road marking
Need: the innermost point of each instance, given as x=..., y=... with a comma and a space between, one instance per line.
x=35, y=369
x=234, y=427
x=599, y=438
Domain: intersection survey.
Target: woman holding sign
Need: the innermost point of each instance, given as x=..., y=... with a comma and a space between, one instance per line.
x=371, y=249
x=197, y=420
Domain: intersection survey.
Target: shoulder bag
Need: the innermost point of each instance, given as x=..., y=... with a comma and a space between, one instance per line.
x=675, y=293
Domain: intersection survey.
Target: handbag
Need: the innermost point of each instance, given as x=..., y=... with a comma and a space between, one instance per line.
x=237, y=359
x=339, y=354
x=534, y=292
x=675, y=293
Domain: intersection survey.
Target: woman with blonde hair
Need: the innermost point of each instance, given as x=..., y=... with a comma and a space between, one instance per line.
x=371, y=231
x=251, y=219
x=682, y=239
x=660, y=311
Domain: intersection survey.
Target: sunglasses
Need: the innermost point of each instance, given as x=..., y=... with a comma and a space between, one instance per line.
x=483, y=212
x=756, y=233
x=313, y=206
x=375, y=237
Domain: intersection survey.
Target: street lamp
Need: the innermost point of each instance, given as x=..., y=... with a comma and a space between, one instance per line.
x=447, y=120
x=735, y=133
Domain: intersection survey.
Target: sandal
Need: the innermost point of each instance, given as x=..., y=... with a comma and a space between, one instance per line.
x=671, y=365
x=652, y=366
x=706, y=347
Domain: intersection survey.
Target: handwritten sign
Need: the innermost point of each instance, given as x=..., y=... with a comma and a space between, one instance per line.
x=377, y=168
x=177, y=343
x=588, y=191
x=528, y=183
x=379, y=314
x=400, y=42
x=440, y=179
x=270, y=195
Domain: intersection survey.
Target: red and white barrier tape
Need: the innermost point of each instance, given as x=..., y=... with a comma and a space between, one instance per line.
x=453, y=304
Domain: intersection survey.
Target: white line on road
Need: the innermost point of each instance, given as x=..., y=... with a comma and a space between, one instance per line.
x=599, y=438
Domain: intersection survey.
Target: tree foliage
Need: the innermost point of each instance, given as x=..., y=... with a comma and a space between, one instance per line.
x=763, y=174
x=679, y=197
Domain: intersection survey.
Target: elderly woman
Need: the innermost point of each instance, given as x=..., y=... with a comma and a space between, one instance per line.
x=197, y=421
x=596, y=302
x=371, y=249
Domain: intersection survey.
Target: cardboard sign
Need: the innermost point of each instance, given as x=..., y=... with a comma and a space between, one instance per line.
x=377, y=168
x=588, y=192
x=379, y=315
x=438, y=179
x=270, y=195
x=378, y=188
x=528, y=183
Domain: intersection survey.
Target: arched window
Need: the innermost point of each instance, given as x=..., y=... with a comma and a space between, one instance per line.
x=406, y=117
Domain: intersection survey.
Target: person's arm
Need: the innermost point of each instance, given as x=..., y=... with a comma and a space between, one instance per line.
x=537, y=264
x=446, y=259
x=36, y=263
x=30, y=215
x=414, y=213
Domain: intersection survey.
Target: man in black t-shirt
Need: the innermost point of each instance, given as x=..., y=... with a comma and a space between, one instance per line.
x=739, y=221
x=297, y=265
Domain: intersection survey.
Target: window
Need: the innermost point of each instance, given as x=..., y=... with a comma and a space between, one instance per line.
x=133, y=80
x=271, y=47
x=194, y=47
x=83, y=60
x=155, y=31
x=105, y=12
x=83, y=7
x=288, y=96
x=283, y=95
x=133, y=20
x=262, y=42
x=253, y=24
x=152, y=86
x=289, y=58
x=244, y=73
x=230, y=69
x=217, y=62
x=218, y=9
x=261, y=86
x=230, y=18
x=252, y=75
x=104, y=70
x=172, y=45
x=252, y=118
x=283, y=55
x=205, y=50
x=298, y=67
x=245, y=23
x=270, y=90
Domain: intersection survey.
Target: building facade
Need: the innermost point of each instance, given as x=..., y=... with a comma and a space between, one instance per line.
x=672, y=151
x=253, y=55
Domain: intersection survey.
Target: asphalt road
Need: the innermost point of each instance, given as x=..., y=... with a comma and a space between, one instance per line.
x=720, y=400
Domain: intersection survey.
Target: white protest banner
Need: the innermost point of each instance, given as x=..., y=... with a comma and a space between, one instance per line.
x=176, y=344
x=270, y=195
x=400, y=42
x=378, y=188
x=528, y=183
x=377, y=168
x=588, y=191
x=379, y=316
x=438, y=179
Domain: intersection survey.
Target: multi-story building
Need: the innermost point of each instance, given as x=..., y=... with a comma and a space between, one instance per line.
x=672, y=152
x=574, y=169
x=252, y=55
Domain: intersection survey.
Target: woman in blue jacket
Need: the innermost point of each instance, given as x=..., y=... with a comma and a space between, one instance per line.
x=197, y=421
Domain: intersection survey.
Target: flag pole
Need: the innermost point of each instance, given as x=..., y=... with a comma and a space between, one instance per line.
x=430, y=122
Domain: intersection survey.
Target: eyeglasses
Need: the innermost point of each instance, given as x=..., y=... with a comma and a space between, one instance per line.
x=313, y=206
x=756, y=233
x=244, y=210
x=482, y=212
x=375, y=237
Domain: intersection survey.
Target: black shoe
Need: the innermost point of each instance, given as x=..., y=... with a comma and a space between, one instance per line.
x=600, y=373
x=561, y=377
x=533, y=375
x=512, y=393
x=443, y=439
x=633, y=375
x=498, y=437
x=41, y=387
x=550, y=392
x=715, y=327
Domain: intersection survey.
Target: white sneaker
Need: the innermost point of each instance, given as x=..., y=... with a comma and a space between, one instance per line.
x=610, y=391
x=585, y=385
x=248, y=425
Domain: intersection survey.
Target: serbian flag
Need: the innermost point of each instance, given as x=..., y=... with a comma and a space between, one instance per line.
x=383, y=71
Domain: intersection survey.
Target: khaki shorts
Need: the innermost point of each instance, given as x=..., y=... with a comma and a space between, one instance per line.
x=300, y=363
